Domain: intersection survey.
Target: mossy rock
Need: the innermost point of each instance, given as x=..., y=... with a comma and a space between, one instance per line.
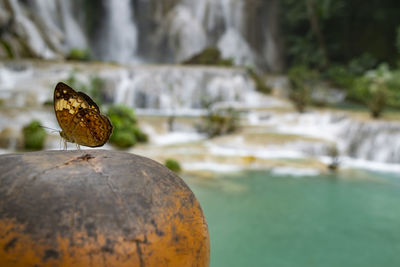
x=79, y=54
x=209, y=56
x=97, y=208
x=7, y=49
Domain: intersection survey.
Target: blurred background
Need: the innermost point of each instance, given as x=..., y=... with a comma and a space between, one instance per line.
x=281, y=115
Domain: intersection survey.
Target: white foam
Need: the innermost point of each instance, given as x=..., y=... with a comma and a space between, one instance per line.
x=347, y=162
x=296, y=172
x=212, y=166
x=176, y=138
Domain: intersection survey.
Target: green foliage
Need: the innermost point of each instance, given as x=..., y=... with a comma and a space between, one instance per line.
x=358, y=90
x=393, y=89
x=339, y=76
x=373, y=90
x=302, y=50
x=260, y=84
x=344, y=76
x=359, y=65
x=398, y=39
x=219, y=122
x=209, y=56
x=34, y=136
x=93, y=88
x=378, y=99
x=351, y=77
x=378, y=80
x=173, y=165
x=301, y=80
x=349, y=29
x=79, y=54
x=126, y=132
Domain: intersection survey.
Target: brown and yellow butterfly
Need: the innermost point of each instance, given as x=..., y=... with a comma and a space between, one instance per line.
x=79, y=118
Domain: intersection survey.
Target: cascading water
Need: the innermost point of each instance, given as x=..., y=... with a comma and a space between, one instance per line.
x=374, y=141
x=57, y=16
x=181, y=90
x=73, y=32
x=185, y=34
x=121, y=33
x=215, y=23
x=118, y=30
x=30, y=31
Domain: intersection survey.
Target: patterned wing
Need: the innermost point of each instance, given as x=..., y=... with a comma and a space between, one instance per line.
x=67, y=103
x=90, y=128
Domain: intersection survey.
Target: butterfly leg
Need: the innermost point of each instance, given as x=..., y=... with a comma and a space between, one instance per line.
x=65, y=145
x=78, y=147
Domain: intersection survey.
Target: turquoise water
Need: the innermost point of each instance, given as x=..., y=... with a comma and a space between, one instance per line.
x=258, y=219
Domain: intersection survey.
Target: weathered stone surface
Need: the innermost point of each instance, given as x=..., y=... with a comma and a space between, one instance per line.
x=97, y=208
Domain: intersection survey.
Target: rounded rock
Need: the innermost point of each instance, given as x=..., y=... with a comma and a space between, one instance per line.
x=97, y=208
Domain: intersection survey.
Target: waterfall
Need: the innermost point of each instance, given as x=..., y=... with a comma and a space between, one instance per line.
x=182, y=90
x=73, y=32
x=121, y=33
x=374, y=141
x=162, y=31
x=178, y=89
x=57, y=17
x=222, y=25
x=186, y=35
x=30, y=32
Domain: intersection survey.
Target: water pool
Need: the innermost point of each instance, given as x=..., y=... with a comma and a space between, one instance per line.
x=260, y=219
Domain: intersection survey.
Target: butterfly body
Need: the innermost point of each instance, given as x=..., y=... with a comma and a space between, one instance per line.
x=79, y=118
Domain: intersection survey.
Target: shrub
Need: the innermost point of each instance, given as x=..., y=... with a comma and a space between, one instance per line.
x=126, y=133
x=260, y=84
x=334, y=163
x=359, y=65
x=301, y=80
x=372, y=89
x=393, y=85
x=378, y=80
x=345, y=76
x=219, y=122
x=173, y=165
x=34, y=136
x=340, y=76
x=378, y=100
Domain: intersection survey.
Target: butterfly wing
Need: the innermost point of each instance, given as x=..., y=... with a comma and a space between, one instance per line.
x=67, y=103
x=90, y=128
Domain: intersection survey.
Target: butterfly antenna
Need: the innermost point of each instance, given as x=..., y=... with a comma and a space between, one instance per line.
x=48, y=128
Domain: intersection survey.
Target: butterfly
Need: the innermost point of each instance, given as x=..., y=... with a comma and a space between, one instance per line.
x=79, y=118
